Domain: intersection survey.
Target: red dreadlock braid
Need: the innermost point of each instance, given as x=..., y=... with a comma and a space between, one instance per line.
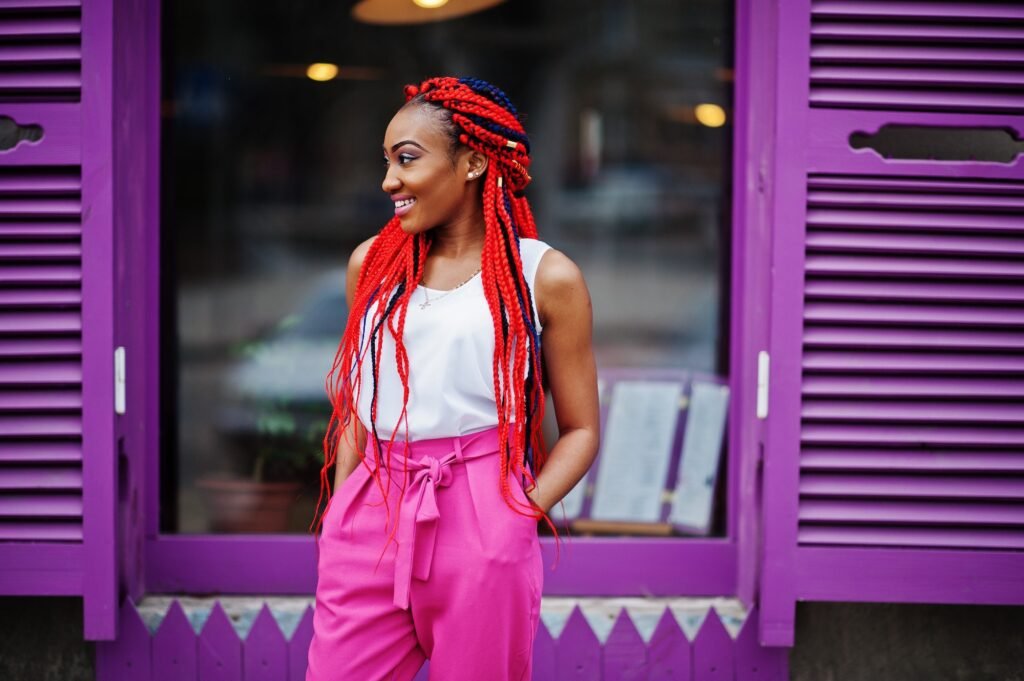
x=479, y=116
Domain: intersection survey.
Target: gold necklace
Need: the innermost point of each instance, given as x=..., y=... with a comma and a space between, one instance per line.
x=426, y=296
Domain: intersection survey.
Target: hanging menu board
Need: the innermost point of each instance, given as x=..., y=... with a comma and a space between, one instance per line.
x=693, y=497
x=636, y=451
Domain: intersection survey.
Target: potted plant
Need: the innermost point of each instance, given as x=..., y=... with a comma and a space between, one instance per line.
x=261, y=499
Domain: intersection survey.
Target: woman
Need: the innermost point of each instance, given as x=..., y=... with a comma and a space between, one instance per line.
x=429, y=546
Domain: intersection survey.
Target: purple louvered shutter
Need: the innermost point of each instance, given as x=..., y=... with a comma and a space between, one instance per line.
x=894, y=452
x=58, y=465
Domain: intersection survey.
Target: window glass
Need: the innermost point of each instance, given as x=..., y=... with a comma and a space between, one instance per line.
x=271, y=178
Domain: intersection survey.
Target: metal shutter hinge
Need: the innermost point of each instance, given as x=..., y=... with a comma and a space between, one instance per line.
x=762, y=384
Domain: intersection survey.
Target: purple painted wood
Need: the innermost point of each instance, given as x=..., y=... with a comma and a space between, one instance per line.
x=625, y=655
x=544, y=655
x=782, y=431
x=896, y=321
x=128, y=657
x=712, y=651
x=829, y=131
x=670, y=653
x=578, y=655
x=219, y=649
x=753, y=145
x=298, y=646
x=917, y=9
x=175, y=648
x=921, y=576
x=753, y=662
x=61, y=143
x=137, y=46
x=99, y=460
x=266, y=651
x=212, y=563
x=58, y=243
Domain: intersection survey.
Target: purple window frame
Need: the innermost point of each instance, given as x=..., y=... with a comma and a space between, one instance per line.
x=723, y=566
x=816, y=140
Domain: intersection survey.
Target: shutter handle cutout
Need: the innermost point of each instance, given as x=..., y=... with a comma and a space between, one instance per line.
x=937, y=143
x=13, y=133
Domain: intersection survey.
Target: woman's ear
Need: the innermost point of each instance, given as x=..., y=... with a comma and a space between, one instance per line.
x=476, y=165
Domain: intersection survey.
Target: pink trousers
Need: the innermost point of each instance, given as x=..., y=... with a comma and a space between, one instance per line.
x=461, y=587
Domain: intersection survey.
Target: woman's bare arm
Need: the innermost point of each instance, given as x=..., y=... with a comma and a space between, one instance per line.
x=563, y=302
x=348, y=449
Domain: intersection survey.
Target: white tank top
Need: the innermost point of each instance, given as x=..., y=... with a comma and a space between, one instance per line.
x=450, y=344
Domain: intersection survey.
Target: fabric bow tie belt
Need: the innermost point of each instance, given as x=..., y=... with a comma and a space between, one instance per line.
x=418, y=512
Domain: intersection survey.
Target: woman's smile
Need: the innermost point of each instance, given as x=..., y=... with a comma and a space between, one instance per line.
x=403, y=204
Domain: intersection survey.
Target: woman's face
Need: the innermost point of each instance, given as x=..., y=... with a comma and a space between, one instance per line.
x=428, y=187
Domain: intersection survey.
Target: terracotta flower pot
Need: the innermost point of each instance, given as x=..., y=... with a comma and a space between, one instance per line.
x=238, y=505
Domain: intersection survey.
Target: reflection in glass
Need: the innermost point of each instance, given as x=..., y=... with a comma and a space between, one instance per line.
x=271, y=178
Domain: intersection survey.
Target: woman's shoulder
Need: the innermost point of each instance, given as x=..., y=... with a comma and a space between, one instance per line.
x=559, y=281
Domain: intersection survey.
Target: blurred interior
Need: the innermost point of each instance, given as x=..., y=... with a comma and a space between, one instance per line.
x=270, y=178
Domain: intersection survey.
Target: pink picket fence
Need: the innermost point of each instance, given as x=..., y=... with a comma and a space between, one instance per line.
x=174, y=650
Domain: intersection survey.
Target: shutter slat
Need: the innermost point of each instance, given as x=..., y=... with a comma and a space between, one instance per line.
x=895, y=9
x=917, y=32
x=907, y=76
x=816, y=385
x=14, y=54
x=40, y=298
x=57, y=79
x=40, y=274
x=876, y=411
x=42, y=400
x=939, y=186
x=40, y=373
x=942, y=244
x=34, y=230
x=959, y=292
x=912, y=315
x=42, y=250
x=916, y=460
x=52, y=505
x=813, y=434
x=34, y=451
x=40, y=4
x=911, y=221
x=40, y=322
x=909, y=267
x=922, y=512
x=39, y=426
x=937, y=100
x=43, y=26
x=971, y=538
x=39, y=183
x=916, y=54
x=853, y=362
x=910, y=486
x=40, y=347
x=916, y=200
x=38, y=477
x=52, y=207
x=40, y=531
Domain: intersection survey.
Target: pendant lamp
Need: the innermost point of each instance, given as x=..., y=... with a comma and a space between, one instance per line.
x=397, y=12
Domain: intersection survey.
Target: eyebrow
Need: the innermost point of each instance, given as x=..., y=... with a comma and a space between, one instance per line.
x=415, y=144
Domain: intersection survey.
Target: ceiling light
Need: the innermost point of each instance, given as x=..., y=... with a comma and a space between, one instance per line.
x=322, y=72
x=397, y=12
x=711, y=115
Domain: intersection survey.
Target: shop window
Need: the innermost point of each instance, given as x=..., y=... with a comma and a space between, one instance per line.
x=271, y=178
